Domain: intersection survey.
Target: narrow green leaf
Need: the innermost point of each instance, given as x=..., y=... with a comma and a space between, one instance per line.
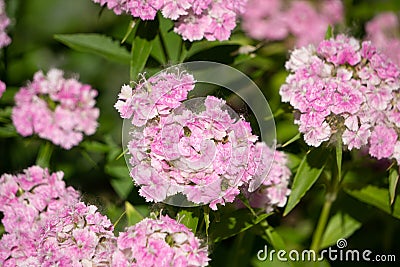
x=329, y=33
x=44, y=155
x=142, y=45
x=339, y=154
x=207, y=219
x=274, y=238
x=308, y=172
x=233, y=223
x=188, y=219
x=122, y=182
x=378, y=197
x=293, y=139
x=129, y=31
x=341, y=225
x=393, y=180
x=96, y=44
x=133, y=215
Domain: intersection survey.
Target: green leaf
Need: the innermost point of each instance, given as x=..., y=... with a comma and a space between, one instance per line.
x=329, y=33
x=274, y=238
x=378, y=197
x=133, y=215
x=95, y=146
x=233, y=223
x=341, y=225
x=393, y=180
x=142, y=45
x=122, y=182
x=339, y=154
x=188, y=219
x=8, y=131
x=96, y=44
x=45, y=151
x=308, y=172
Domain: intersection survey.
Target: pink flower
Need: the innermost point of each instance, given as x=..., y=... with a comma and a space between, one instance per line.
x=382, y=142
x=383, y=31
x=143, y=243
x=2, y=88
x=194, y=19
x=57, y=109
x=356, y=99
x=279, y=19
x=193, y=148
x=4, y=23
x=28, y=201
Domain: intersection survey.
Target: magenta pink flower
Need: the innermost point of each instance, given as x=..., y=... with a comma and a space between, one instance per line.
x=275, y=20
x=159, y=242
x=4, y=23
x=194, y=19
x=57, y=109
x=347, y=89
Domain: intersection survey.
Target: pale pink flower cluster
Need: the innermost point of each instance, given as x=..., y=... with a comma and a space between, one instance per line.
x=46, y=225
x=77, y=236
x=57, y=109
x=346, y=89
x=276, y=20
x=2, y=88
x=159, y=242
x=4, y=22
x=195, y=148
x=194, y=19
x=384, y=32
x=27, y=201
x=275, y=189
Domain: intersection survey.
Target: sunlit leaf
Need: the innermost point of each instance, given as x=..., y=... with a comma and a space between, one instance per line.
x=308, y=172
x=341, y=225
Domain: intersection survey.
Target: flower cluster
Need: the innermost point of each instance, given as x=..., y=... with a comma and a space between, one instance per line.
x=159, y=242
x=275, y=20
x=77, y=236
x=4, y=22
x=194, y=19
x=65, y=232
x=198, y=148
x=27, y=201
x=274, y=190
x=346, y=89
x=57, y=109
x=383, y=31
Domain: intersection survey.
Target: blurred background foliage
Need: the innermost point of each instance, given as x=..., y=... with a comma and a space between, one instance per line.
x=96, y=166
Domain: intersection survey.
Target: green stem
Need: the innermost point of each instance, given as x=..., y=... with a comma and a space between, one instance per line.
x=44, y=155
x=321, y=225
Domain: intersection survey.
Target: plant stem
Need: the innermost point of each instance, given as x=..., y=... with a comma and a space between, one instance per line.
x=321, y=225
x=44, y=155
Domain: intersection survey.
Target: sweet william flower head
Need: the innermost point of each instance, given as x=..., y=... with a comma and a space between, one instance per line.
x=194, y=19
x=27, y=201
x=346, y=89
x=159, y=242
x=5, y=40
x=55, y=108
x=193, y=151
x=276, y=20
